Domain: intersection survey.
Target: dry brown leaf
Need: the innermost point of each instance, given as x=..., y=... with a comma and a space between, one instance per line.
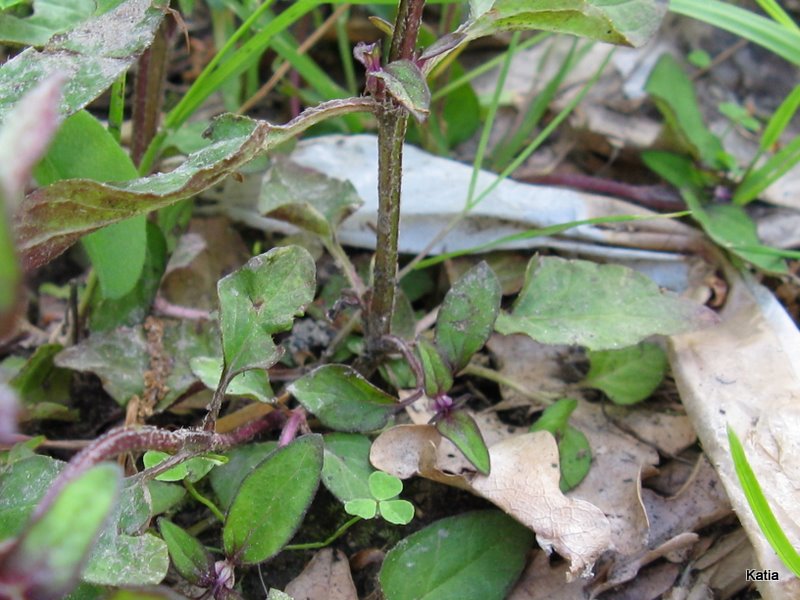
x=524, y=483
x=326, y=577
x=542, y=581
x=534, y=366
x=745, y=373
x=612, y=483
x=210, y=250
x=649, y=584
x=669, y=433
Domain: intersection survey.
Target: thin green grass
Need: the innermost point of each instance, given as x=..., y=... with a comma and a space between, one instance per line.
x=761, y=511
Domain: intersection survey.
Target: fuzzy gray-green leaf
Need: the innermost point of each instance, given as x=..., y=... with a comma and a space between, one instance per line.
x=260, y=299
x=598, y=306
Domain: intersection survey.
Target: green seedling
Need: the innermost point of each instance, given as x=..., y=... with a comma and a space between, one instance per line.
x=384, y=501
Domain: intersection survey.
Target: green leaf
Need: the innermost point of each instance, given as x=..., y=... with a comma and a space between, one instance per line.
x=92, y=56
x=189, y=557
x=366, y=508
x=54, y=217
x=474, y=556
x=397, y=512
x=739, y=115
x=383, y=486
x=574, y=457
x=574, y=453
x=125, y=560
x=22, y=485
x=272, y=501
x=699, y=58
x=730, y=226
x=765, y=518
x=406, y=83
x=774, y=168
x=49, y=18
x=40, y=380
x=226, y=479
x=780, y=119
x=625, y=22
x=250, y=384
x=438, y=374
x=555, y=417
x=58, y=542
x=193, y=469
x=461, y=429
x=346, y=467
x=342, y=399
x=673, y=93
x=597, y=306
x=307, y=198
x=260, y=299
x=83, y=148
x=466, y=318
x=132, y=308
x=627, y=375
x=163, y=496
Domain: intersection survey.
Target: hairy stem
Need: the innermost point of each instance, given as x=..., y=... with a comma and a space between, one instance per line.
x=392, y=121
x=148, y=93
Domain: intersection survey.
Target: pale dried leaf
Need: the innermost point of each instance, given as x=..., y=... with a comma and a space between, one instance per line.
x=612, y=483
x=326, y=577
x=669, y=432
x=542, y=581
x=524, y=483
x=746, y=373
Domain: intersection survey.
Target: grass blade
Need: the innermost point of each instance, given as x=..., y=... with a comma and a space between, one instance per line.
x=761, y=511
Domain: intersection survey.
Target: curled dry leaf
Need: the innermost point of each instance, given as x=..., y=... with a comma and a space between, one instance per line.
x=326, y=577
x=523, y=482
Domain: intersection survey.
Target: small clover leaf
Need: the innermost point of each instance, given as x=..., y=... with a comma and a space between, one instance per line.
x=385, y=489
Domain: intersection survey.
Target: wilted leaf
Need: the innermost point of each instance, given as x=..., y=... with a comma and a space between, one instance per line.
x=307, y=198
x=406, y=83
x=260, y=299
x=52, y=218
x=346, y=468
x=577, y=530
x=597, y=306
x=628, y=375
x=466, y=318
x=629, y=22
x=120, y=358
x=48, y=556
x=272, y=500
x=91, y=56
x=460, y=428
x=342, y=399
x=84, y=148
x=189, y=556
x=326, y=577
x=475, y=556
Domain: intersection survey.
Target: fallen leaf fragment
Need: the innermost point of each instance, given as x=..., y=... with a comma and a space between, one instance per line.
x=326, y=577
x=523, y=482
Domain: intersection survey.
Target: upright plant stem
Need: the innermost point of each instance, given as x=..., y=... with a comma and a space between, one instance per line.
x=392, y=121
x=148, y=93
